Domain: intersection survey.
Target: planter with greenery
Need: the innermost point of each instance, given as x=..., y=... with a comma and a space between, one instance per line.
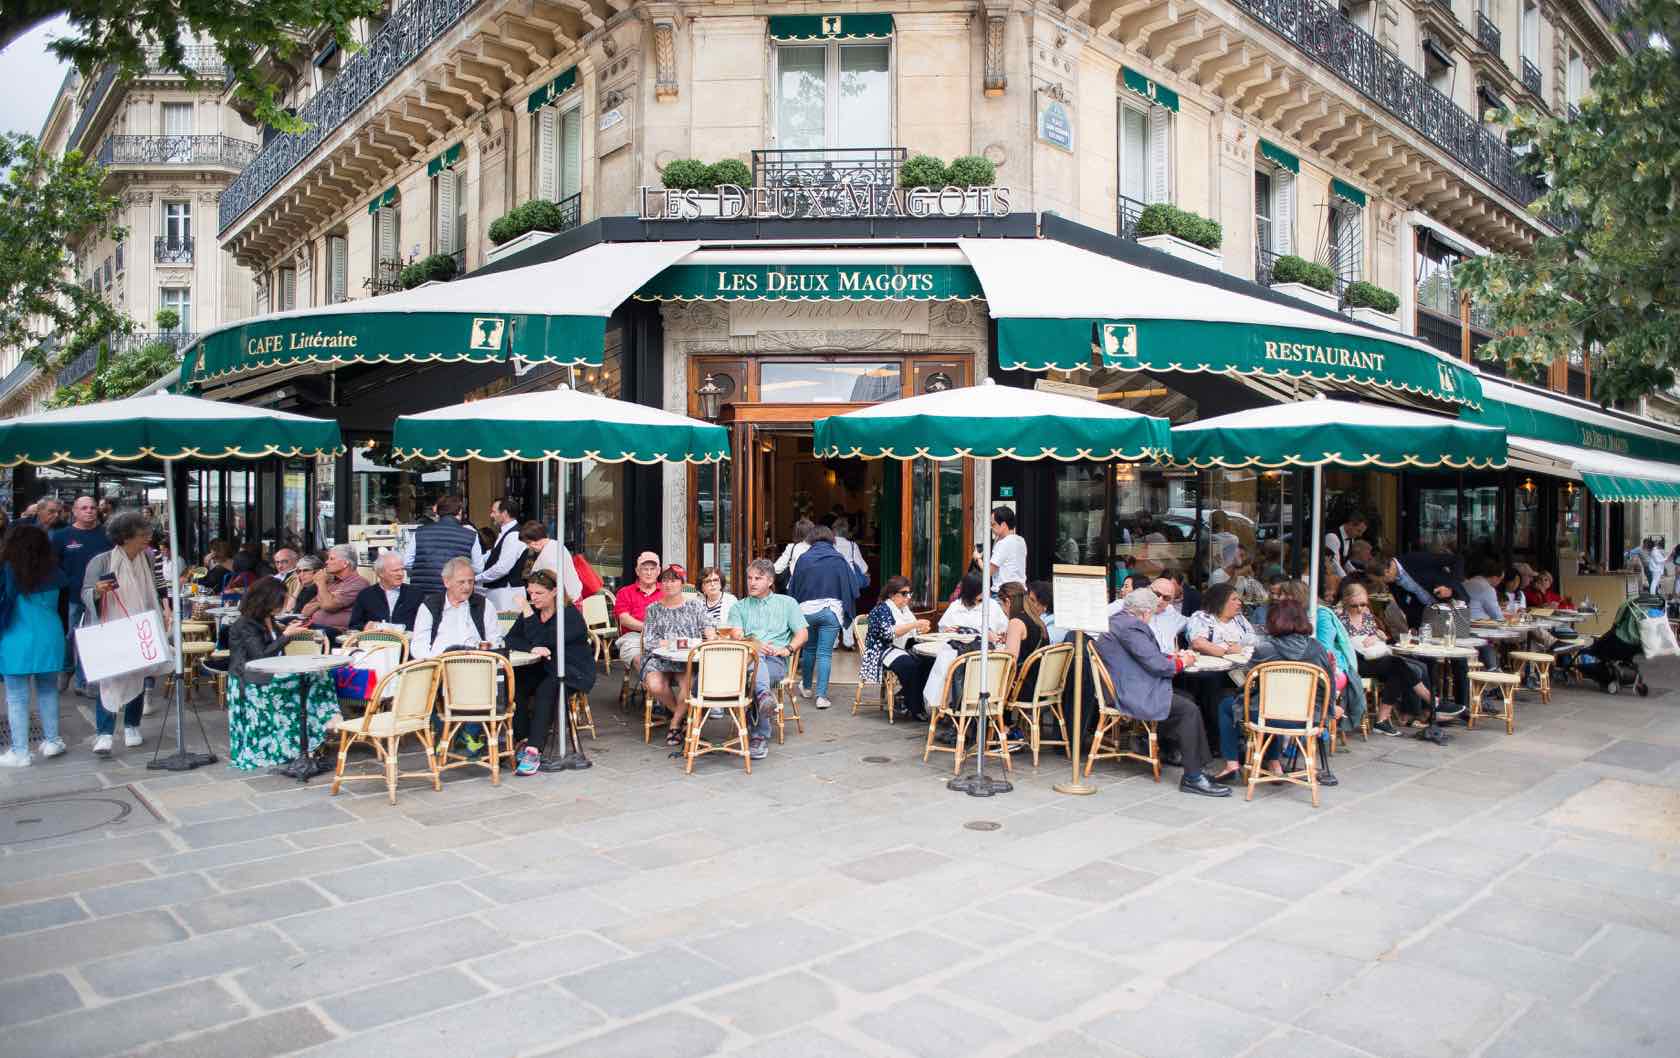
x=1369, y=303
x=1179, y=232
x=1301, y=278
x=525, y=225
x=438, y=268
x=701, y=181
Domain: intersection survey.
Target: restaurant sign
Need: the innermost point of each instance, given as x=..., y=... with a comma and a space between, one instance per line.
x=813, y=283
x=852, y=200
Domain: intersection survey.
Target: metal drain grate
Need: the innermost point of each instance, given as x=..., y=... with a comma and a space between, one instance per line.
x=22, y=822
x=982, y=824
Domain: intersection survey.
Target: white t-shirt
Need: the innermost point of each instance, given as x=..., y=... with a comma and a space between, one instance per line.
x=1009, y=555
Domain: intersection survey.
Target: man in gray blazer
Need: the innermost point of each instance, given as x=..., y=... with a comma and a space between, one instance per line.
x=1143, y=675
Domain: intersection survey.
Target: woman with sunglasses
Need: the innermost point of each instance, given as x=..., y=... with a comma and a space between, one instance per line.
x=891, y=624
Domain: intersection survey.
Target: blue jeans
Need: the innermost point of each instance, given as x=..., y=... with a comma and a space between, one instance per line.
x=72, y=658
x=1230, y=744
x=769, y=673
x=819, y=650
x=105, y=722
x=17, y=707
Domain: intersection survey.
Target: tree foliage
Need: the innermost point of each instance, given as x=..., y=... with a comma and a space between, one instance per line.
x=122, y=31
x=1609, y=280
x=45, y=203
x=122, y=375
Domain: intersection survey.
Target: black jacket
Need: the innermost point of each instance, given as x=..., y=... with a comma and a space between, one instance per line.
x=247, y=641
x=1431, y=571
x=528, y=632
x=370, y=605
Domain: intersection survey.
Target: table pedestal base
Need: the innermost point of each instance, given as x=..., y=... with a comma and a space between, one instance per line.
x=181, y=761
x=980, y=785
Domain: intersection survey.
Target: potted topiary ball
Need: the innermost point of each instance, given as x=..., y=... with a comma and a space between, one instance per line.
x=1300, y=278
x=1182, y=234
x=1369, y=303
x=526, y=225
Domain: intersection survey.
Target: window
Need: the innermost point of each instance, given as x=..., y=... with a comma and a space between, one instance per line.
x=305, y=277
x=1438, y=66
x=833, y=95
x=109, y=274
x=338, y=269
x=1347, y=239
x=449, y=207
x=1361, y=13
x=1576, y=86
x=1531, y=31
x=1145, y=144
x=1274, y=210
x=119, y=257
x=387, y=242
x=559, y=140
x=177, y=131
x=179, y=299
x=177, y=225
x=285, y=289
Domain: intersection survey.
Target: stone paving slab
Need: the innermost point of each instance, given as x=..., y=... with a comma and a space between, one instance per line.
x=1501, y=896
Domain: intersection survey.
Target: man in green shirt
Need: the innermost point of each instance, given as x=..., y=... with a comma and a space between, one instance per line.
x=773, y=622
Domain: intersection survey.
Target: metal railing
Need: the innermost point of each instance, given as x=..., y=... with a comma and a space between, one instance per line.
x=1487, y=35
x=177, y=250
x=1531, y=78
x=84, y=364
x=18, y=377
x=386, y=278
x=202, y=59
x=1437, y=293
x=460, y=259
x=1355, y=56
x=78, y=369
x=412, y=28
x=1265, y=260
x=875, y=168
x=177, y=150
x=1129, y=212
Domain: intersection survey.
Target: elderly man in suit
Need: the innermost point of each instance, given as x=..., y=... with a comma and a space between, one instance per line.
x=1143, y=674
x=389, y=601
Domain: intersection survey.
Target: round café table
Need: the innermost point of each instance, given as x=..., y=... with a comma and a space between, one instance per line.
x=305, y=667
x=1441, y=654
x=1208, y=682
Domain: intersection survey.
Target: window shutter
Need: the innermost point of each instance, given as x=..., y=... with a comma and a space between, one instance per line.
x=387, y=233
x=1160, y=154
x=288, y=289
x=305, y=296
x=548, y=147
x=571, y=152
x=1134, y=147
x=338, y=268
x=445, y=211
x=1283, y=211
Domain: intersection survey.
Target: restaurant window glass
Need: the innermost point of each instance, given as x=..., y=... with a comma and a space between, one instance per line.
x=833, y=95
x=1155, y=526
x=1080, y=499
x=1572, y=525
x=1483, y=526
x=385, y=493
x=595, y=492
x=1525, y=524
x=1438, y=518
x=823, y=383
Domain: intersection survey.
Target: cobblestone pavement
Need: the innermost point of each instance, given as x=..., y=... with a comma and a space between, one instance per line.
x=1502, y=896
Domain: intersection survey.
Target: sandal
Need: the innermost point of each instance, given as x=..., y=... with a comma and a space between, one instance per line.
x=673, y=738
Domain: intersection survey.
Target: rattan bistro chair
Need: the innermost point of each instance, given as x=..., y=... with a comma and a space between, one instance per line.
x=400, y=705
x=787, y=699
x=304, y=644
x=597, y=618
x=1115, y=726
x=889, y=683
x=724, y=682
x=376, y=638
x=1288, y=701
x=469, y=697
x=966, y=711
x=1053, y=663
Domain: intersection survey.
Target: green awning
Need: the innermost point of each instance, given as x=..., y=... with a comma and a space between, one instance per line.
x=387, y=198
x=1525, y=414
x=447, y=160
x=882, y=282
x=791, y=28
x=1348, y=192
x=1277, y=154
x=551, y=91
x=162, y=426
x=1307, y=433
x=1613, y=489
x=1151, y=90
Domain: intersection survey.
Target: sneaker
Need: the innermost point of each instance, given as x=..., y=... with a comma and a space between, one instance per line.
x=132, y=737
x=823, y=703
x=529, y=761
x=52, y=747
x=474, y=744
x=13, y=759
x=1015, y=735
x=1386, y=727
x=102, y=745
x=758, y=748
x=148, y=707
x=805, y=692
x=1449, y=712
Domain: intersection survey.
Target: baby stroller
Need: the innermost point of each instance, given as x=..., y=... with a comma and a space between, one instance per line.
x=1611, y=660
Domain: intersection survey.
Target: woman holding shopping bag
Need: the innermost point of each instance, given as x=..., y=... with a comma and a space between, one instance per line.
x=120, y=584
x=31, y=639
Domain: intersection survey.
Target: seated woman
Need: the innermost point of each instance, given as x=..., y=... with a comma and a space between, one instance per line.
x=1542, y=594
x=1289, y=637
x=886, y=648
x=718, y=602
x=218, y=566
x=540, y=687
x=263, y=710
x=1402, y=680
x=963, y=615
x=670, y=617
x=1219, y=627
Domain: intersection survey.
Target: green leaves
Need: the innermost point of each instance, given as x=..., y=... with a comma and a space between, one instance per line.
x=121, y=376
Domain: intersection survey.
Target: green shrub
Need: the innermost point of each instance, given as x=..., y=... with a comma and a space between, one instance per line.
x=922, y=170
x=1292, y=269
x=1363, y=295
x=971, y=170
x=167, y=319
x=729, y=171
x=539, y=214
x=439, y=266
x=687, y=174
x=1163, y=218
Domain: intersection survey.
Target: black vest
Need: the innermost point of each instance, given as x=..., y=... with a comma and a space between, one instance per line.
x=475, y=610
x=509, y=538
x=434, y=545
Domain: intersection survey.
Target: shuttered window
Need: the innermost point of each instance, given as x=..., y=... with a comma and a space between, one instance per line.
x=288, y=289
x=450, y=190
x=338, y=269
x=559, y=146
x=1146, y=153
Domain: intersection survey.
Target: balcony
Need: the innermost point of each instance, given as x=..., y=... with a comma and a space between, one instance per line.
x=1487, y=35
x=412, y=28
x=17, y=378
x=1531, y=78
x=1129, y=212
x=1265, y=259
x=841, y=169
x=202, y=59
x=1378, y=74
x=1446, y=8
x=386, y=278
x=176, y=249
x=1437, y=294
x=222, y=151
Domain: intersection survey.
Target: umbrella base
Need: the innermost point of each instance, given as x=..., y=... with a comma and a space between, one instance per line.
x=980, y=785
x=573, y=761
x=181, y=761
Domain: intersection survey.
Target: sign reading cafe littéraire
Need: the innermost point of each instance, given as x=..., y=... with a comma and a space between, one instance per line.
x=733, y=202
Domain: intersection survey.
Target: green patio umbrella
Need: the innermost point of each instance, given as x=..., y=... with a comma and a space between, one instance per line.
x=167, y=428
x=565, y=426
x=1317, y=433
x=989, y=421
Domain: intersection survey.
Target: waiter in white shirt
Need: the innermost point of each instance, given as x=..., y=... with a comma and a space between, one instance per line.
x=551, y=555
x=1009, y=550
x=502, y=563
x=456, y=618
x=1339, y=539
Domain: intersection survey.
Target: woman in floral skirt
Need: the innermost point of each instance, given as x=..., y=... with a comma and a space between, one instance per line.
x=263, y=710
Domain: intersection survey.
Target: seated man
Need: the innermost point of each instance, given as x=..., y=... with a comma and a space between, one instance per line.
x=336, y=588
x=630, y=606
x=389, y=602
x=1142, y=676
x=774, y=623
x=455, y=617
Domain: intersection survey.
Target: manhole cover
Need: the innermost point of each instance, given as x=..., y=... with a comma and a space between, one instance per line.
x=982, y=824
x=56, y=817
x=877, y=760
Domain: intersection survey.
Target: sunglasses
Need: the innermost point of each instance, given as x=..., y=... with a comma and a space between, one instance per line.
x=902, y=591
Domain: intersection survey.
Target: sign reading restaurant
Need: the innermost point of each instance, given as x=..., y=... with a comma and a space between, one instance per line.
x=733, y=202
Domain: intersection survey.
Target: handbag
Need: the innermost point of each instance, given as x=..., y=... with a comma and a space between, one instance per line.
x=131, y=645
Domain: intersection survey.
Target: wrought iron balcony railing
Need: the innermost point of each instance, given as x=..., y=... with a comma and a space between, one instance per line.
x=17, y=377
x=1487, y=34
x=177, y=150
x=78, y=369
x=1265, y=260
x=83, y=366
x=172, y=250
x=1531, y=77
x=386, y=278
x=1129, y=212
x=412, y=28
x=875, y=168
x=1378, y=74
x=202, y=59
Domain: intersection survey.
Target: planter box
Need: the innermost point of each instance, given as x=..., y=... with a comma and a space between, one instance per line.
x=1375, y=318
x=1324, y=299
x=514, y=245
x=1185, y=251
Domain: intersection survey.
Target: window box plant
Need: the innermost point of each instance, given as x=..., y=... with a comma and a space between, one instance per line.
x=1302, y=279
x=1182, y=234
x=697, y=184
x=1369, y=303
x=524, y=226
x=932, y=177
x=438, y=268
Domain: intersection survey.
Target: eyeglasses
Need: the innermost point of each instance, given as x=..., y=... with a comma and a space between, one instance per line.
x=902, y=591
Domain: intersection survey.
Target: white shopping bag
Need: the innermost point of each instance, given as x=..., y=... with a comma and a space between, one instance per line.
x=1656, y=637
x=125, y=646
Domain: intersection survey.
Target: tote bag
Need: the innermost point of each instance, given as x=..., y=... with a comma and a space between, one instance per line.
x=130, y=645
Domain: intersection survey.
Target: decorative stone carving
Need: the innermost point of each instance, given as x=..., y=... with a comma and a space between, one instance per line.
x=996, y=79
x=1235, y=142
x=665, y=56
x=996, y=153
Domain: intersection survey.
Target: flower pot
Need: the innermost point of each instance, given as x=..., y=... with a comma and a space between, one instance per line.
x=1387, y=321
x=517, y=243
x=1324, y=299
x=1185, y=251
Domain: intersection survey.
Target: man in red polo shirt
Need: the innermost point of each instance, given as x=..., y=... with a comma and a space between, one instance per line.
x=630, y=606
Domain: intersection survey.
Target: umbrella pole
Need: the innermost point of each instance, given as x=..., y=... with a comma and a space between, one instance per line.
x=571, y=753
x=180, y=760
x=1316, y=541
x=977, y=785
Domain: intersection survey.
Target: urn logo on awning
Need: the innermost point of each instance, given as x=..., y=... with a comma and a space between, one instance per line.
x=1119, y=345
x=487, y=333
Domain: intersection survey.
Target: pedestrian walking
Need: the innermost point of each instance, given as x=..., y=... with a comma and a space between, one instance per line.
x=118, y=584
x=75, y=545
x=31, y=639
